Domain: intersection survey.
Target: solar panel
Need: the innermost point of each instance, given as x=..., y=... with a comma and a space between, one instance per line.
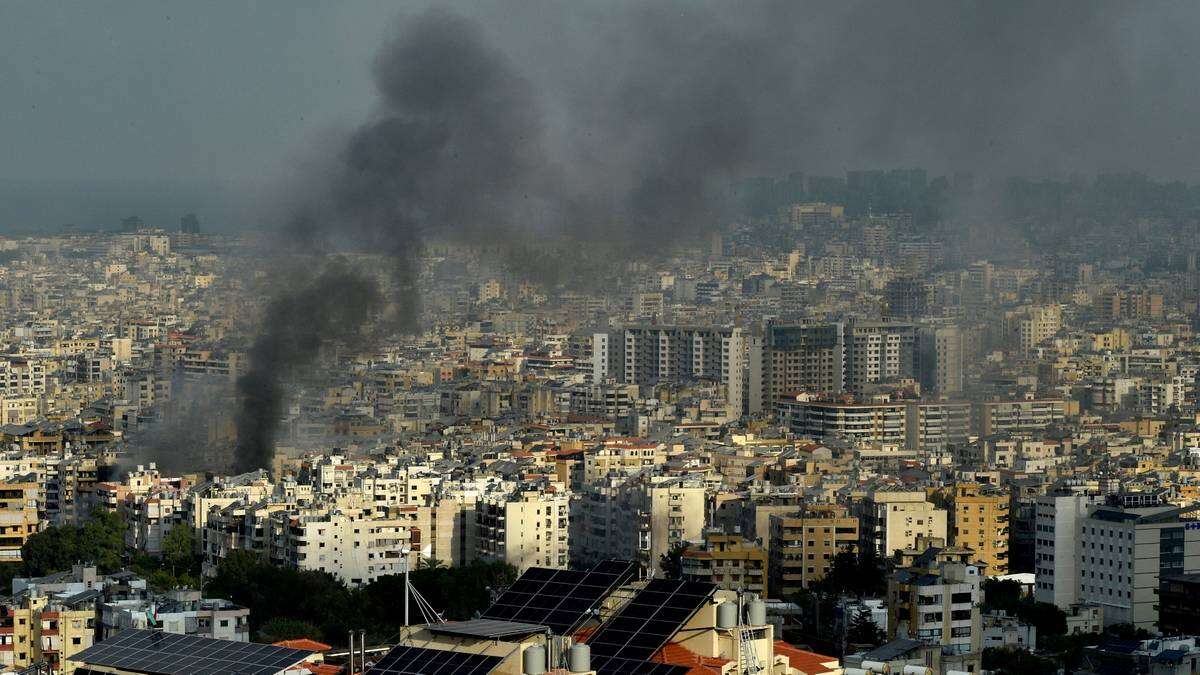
x=558, y=599
x=421, y=661
x=149, y=651
x=611, y=665
x=650, y=619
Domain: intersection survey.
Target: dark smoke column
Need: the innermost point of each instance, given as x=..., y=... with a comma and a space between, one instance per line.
x=333, y=306
x=453, y=150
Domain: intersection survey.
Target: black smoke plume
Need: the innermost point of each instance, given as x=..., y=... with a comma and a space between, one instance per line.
x=332, y=306
x=452, y=148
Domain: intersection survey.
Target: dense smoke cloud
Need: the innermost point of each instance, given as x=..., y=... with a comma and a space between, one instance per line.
x=333, y=306
x=630, y=122
x=452, y=148
x=1003, y=88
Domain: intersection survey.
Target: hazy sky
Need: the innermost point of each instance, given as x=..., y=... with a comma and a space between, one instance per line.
x=223, y=96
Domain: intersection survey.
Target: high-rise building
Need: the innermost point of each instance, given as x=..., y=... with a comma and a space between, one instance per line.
x=1058, y=515
x=893, y=520
x=803, y=358
x=1125, y=546
x=906, y=298
x=939, y=359
x=803, y=546
x=654, y=353
x=527, y=527
x=876, y=352
x=980, y=522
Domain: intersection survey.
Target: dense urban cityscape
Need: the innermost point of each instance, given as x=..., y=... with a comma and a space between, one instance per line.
x=911, y=454
x=599, y=338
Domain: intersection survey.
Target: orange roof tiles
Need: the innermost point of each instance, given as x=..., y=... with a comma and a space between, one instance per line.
x=809, y=663
x=304, y=643
x=679, y=655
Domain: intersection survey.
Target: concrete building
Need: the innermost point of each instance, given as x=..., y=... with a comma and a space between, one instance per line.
x=19, y=516
x=803, y=546
x=937, y=601
x=729, y=562
x=980, y=521
x=525, y=527
x=639, y=517
x=1125, y=546
x=939, y=359
x=1058, y=516
x=893, y=520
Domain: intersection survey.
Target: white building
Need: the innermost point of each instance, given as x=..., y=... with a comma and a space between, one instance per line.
x=1123, y=548
x=1057, y=518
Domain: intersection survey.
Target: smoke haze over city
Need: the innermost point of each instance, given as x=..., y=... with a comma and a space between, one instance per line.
x=992, y=88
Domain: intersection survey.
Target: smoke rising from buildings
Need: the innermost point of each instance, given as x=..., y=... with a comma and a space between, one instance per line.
x=332, y=306
x=630, y=122
x=451, y=148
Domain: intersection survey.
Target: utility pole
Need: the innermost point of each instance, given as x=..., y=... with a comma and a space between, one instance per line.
x=362, y=650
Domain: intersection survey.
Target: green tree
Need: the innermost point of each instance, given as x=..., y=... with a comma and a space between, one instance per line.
x=179, y=548
x=671, y=562
x=280, y=628
x=860, y=574
x=1009, y=661
x=430, y=564
x=863, y=629
x=100, y=541
x=272, y=592
x=1002, y=594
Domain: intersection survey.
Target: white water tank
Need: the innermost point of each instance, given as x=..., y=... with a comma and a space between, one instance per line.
x=917, y=670
x=876, y=667
x=756, y=613
x=727, y=615
x=533, y=660
x=579, y=659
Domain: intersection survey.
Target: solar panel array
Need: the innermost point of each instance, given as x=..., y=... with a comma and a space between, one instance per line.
x=148, y=651
x=650, y=619
x=611, y=665
x=558, y=599
x=421, y=661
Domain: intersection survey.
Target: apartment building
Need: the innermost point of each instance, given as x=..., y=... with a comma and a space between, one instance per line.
x=910, y=424
x=939, y=359
x=1125, y=546
x=1058, y=516
x=892, y=520
x=525, y=527
x=803, y=546
x=623, y=456
x=803, y=358
x=729, y=562
x=658, y=353
x=1017, y=417
x=639, y=517
x=866, y=423
x=876, y=352
x=38, y=628
x=937, y=601
x=980, y=521
x=19, y=516
x=355, y=548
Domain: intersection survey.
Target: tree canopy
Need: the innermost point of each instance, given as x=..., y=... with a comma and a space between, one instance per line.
x=286, y=601
x=100, y=541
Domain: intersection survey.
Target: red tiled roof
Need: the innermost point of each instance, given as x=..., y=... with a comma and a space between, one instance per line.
x=679, y=655
x=305, y=644
x=809, y=663
x=321, y=668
